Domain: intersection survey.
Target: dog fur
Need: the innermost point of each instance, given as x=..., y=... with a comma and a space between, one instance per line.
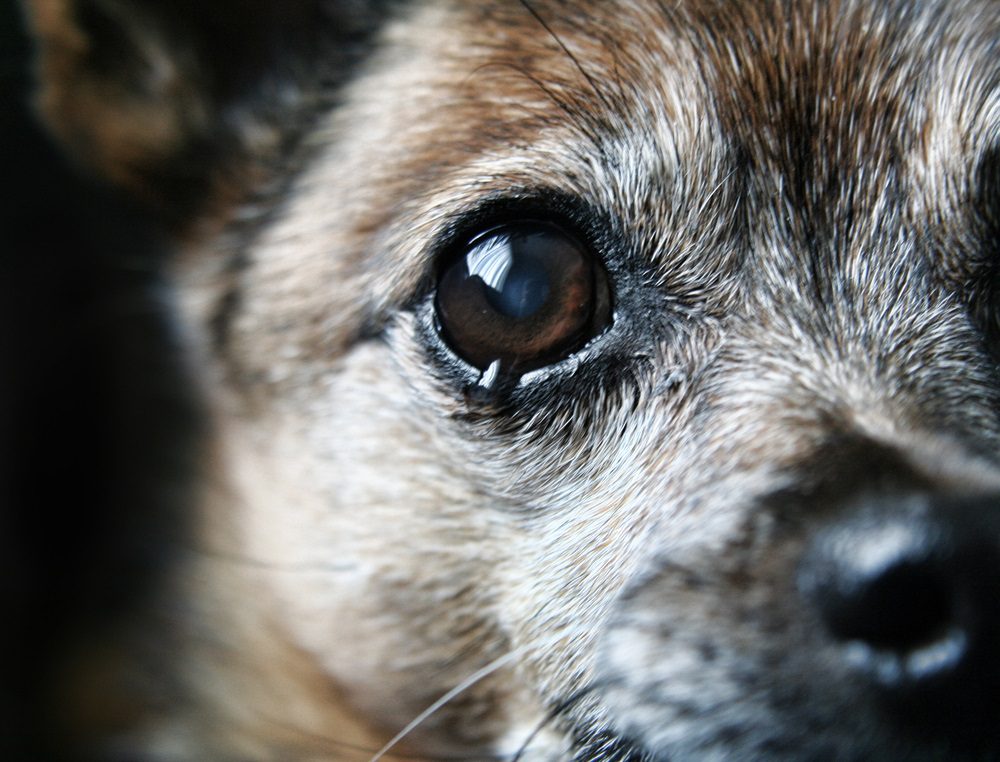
x=796, y=204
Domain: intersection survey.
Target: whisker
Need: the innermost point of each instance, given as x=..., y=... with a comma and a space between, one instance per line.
x=576, y=61
x=471, y=680
x=576, y=114
x=359, y=750
x=549, y=718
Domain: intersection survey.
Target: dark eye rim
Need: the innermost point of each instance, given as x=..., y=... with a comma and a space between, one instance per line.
x=583, y=221
x=578, y=220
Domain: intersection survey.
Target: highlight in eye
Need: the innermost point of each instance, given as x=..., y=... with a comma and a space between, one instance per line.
x=520, y=296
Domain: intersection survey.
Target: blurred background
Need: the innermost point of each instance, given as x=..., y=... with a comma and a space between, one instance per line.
x=96, y=432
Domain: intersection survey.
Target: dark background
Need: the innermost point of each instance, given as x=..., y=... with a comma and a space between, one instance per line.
x=96, y=423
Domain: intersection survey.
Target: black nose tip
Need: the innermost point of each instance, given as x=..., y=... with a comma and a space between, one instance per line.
x=893, y=590
x=910, y=589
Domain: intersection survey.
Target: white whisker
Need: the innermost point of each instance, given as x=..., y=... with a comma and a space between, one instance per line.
x=467, y=683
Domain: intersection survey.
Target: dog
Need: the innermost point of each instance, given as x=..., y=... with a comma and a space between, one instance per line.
x=581, y=381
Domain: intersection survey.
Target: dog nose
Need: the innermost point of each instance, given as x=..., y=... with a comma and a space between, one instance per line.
x=909, y=590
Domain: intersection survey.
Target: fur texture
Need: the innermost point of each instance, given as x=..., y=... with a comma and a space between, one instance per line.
x=796, y=205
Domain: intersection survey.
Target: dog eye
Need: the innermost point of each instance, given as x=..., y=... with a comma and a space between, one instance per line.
x=525, y=295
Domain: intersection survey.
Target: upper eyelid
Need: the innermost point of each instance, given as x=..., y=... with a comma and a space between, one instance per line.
x=503, y=207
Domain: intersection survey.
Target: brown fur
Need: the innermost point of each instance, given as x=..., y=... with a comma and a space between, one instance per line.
x=798, y=214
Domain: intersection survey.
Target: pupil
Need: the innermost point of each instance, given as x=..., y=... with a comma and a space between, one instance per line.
x=517, y=283
x=522, y=294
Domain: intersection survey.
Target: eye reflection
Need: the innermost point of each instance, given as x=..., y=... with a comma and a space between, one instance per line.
x=521, y=296
x=517, y=286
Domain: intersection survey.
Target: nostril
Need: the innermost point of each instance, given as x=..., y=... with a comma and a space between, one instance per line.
x=891, y=588
x=901, y=608
x=906, y=595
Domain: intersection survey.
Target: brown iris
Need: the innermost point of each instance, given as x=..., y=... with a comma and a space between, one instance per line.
x=523, y=295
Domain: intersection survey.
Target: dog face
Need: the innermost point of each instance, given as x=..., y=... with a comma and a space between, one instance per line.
x=630, y=365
